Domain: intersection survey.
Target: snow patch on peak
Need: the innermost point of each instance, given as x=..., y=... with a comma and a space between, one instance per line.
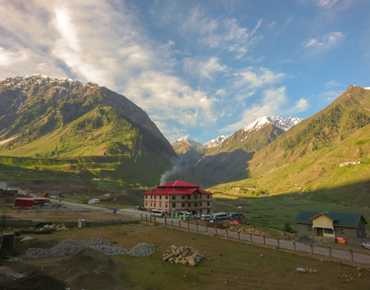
x=37, y=79
x=367, y=88
x=216, y=142
x=188, y=141
x=276, y=120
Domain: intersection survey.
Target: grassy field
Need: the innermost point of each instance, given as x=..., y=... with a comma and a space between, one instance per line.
x=228, y=264
x=276, y=211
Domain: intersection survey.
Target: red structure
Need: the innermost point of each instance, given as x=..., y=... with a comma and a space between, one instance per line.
x=179, y=196
x=30, y=202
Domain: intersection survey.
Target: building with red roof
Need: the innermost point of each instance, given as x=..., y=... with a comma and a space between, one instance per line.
x=176, y=196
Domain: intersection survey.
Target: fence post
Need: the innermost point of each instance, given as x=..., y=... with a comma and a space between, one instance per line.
x=330, y=252
x=165, y=221
x=250, y=238
x=179, y=224
x=215, y=230
x=146, y=218
x=238, y=236
x=154, y=220
x=206, y=229
x=141, y=217
x=351, y=254
x=188, y=225
x=226, y=234
x=311, y=246
x=264, y=240
x=171, y=223
x=295, y=247
x=278, y=242
x=196, y=227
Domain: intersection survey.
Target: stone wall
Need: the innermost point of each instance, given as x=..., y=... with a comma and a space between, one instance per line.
x=13, y=223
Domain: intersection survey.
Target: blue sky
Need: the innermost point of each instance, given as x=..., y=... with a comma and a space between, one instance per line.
x=198, y=68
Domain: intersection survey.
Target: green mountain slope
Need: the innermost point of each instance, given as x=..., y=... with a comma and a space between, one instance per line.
x=308, y=156
x=51, y=118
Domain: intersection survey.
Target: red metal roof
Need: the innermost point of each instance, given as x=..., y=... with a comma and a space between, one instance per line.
x=177, y=183
x=168, y=191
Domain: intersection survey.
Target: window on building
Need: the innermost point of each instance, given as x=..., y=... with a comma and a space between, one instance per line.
x=183, y=204
x=188, y=196
x=208, y=211
x=151, y=204
x=154, y=204
x=146, y=203
x=189, y=204
x=173, y=197
x=195, y=196
x=155, y=197
x=343, y=231
x=208, y=204
x=359, y=232
x=146, y=197
x=200, y=204
x=160, y=197
x=195, y=204
x=174, y=205
x=182, y=196
x=166, y=204
x=160, y=204
x=166, y=196
x=328, y=231
x=208, y=196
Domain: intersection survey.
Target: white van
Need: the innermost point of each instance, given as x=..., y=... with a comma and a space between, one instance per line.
x=220, y=216
x=158, y=213
x=94, y=201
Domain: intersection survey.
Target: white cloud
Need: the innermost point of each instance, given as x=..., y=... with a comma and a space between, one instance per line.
x=274, y=102
x=325, y=3
x=332, y=83
x=205, y=69
x=254, y=78
x=226, y=34
x=8, y=57
x=166, y=97
x=329, y=96
x=327, y=41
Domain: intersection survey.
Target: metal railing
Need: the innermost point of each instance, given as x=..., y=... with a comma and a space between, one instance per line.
x=261, y=240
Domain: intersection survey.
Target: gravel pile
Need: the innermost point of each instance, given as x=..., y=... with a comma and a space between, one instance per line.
x=71, y=247
x=142, y=250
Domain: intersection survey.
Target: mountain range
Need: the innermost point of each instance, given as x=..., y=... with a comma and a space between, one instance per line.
x=57, y=126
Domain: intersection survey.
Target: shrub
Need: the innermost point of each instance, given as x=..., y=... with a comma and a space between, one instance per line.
x=287, y=228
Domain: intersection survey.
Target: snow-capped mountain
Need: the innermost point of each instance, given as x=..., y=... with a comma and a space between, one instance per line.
x=25, y=82
x=276, y=120
x=216, y=142
x=185, y=144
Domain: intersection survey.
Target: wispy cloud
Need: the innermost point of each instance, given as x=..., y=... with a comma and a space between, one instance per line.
x=203, y=69
x=226, y=34
x=256, y=77
x=325, y=3
x=329, y=96
x=332, y=83
x=8, y=57
x=325, y=42
x=274, y=102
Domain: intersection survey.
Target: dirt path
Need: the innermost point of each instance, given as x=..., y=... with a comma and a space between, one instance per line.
x=6, y=141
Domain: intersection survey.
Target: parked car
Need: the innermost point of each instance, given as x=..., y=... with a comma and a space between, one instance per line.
x=236, y=216
x=220, y=216
x=196, y=216
x=158, y=213
x=366, y=245
x=206, y=217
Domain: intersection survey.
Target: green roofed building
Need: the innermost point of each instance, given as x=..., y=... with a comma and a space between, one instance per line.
x=330, y=226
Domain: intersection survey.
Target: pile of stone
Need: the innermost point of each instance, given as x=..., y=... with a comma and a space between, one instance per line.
x=244, y=230
x=53, y=227
x=71, y=247
x=182, y=255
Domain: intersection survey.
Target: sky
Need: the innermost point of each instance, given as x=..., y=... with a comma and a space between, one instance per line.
x=198, y=68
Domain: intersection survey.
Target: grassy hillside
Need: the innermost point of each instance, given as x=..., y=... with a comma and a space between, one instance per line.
x=311, y=163
x=64, y=126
